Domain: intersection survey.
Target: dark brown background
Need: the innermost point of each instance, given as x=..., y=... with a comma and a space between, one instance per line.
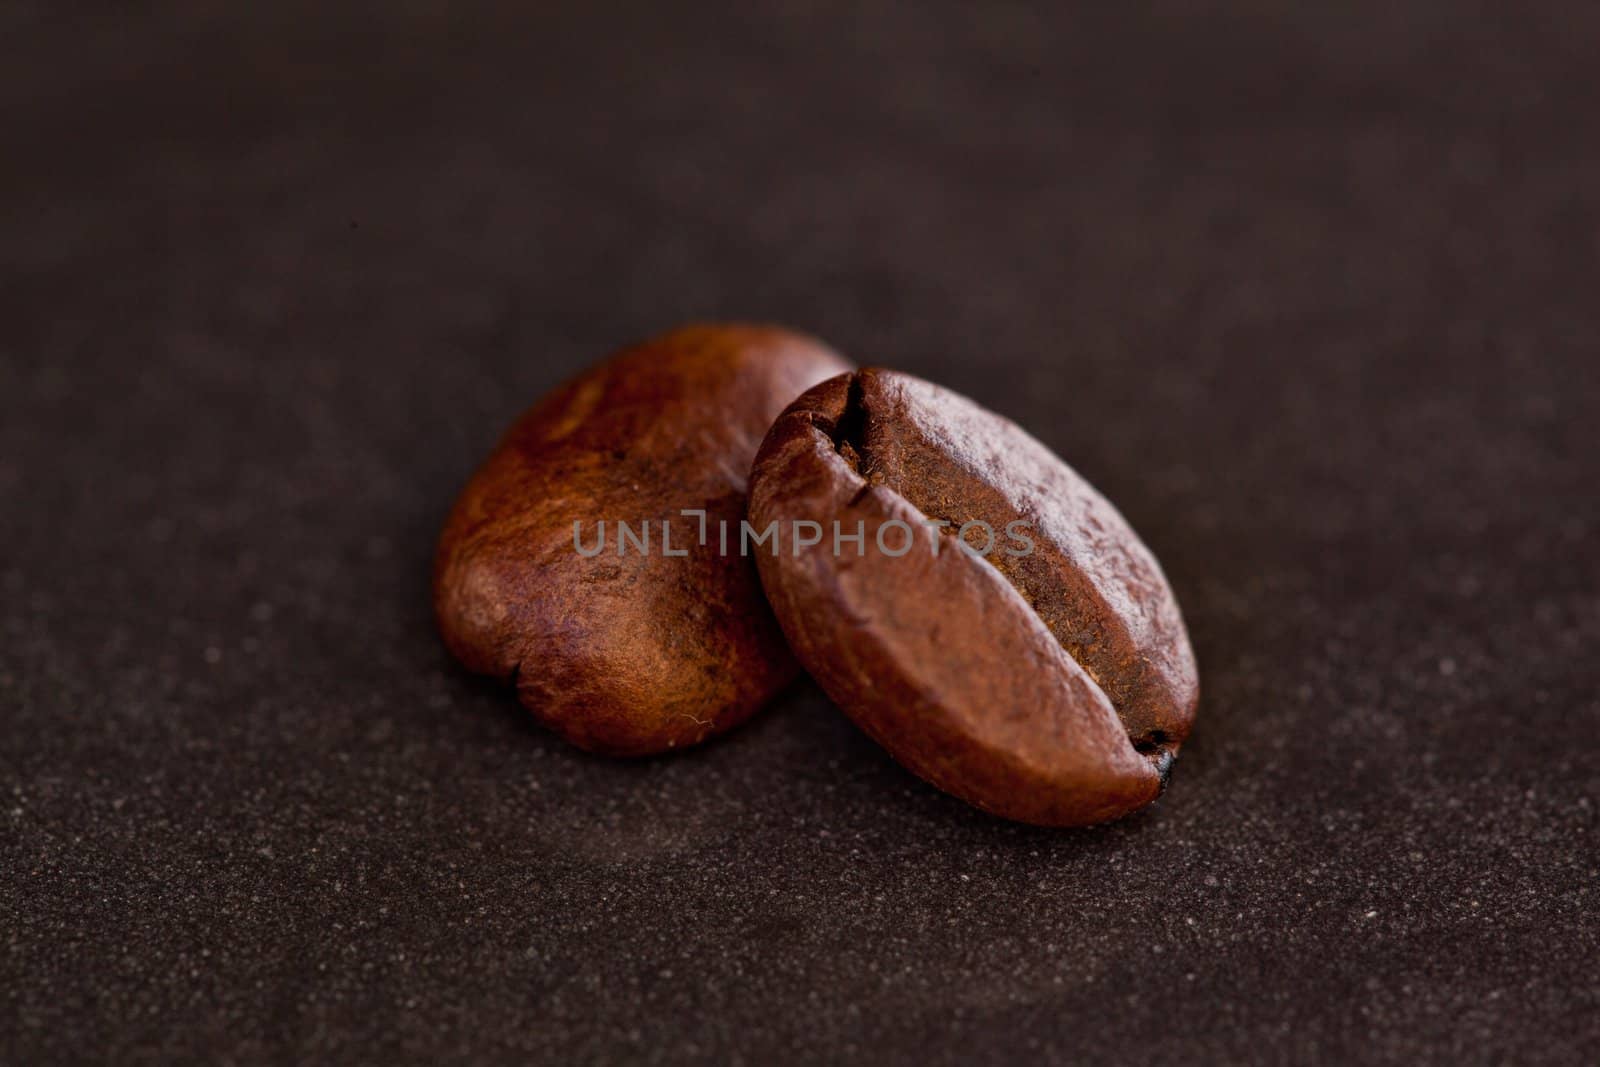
x=1311, y=296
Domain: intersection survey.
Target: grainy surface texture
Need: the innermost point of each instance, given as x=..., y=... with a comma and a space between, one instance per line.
x=1308, y=291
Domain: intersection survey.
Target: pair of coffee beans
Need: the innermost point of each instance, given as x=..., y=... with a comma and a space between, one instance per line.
x=654, y=550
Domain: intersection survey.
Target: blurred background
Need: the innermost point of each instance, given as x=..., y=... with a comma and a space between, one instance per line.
x=1308, y=291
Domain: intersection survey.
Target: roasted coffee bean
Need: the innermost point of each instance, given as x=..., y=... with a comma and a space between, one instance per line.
x=1049, y=680
x=647, y=644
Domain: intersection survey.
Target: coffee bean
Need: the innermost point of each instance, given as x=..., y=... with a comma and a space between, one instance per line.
x=645, y=645
x=1050, y=682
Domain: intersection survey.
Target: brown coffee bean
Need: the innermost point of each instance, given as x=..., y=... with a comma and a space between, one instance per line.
x=1050, y=683
x=635, y=649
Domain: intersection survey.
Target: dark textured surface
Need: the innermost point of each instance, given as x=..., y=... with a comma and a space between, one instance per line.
x=1312, y=297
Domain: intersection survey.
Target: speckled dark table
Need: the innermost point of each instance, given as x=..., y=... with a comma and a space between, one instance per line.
x=1312, y=297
